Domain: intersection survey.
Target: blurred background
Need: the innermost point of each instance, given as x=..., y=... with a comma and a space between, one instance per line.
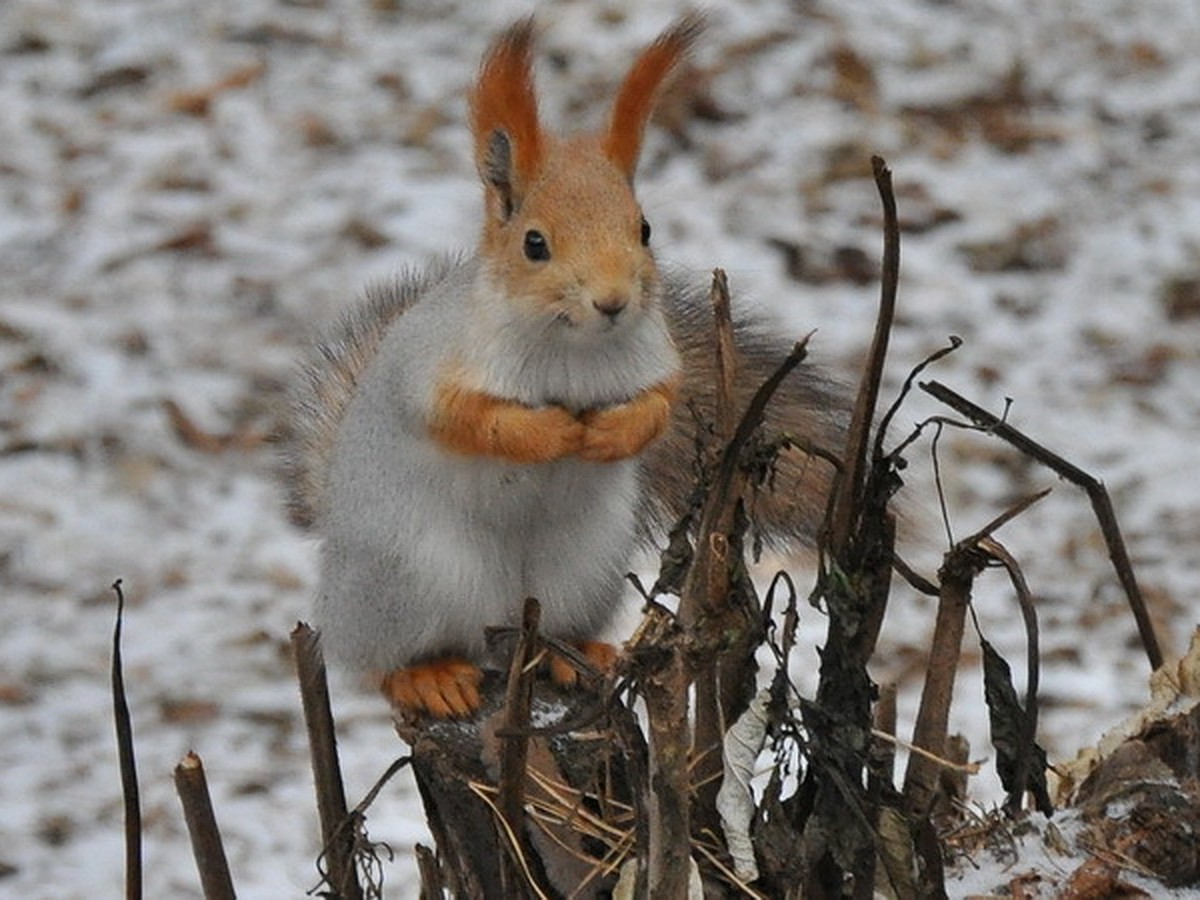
x=189, y=190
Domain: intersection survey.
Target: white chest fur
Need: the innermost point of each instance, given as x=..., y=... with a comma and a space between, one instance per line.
x=424, y=548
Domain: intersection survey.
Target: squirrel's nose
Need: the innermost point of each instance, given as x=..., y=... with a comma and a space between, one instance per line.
x=611, y=305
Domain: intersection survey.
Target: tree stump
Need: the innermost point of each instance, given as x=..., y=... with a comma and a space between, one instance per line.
x=575, y=826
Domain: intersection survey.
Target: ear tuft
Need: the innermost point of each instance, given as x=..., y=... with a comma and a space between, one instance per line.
x=504, y=117
x=635, y=99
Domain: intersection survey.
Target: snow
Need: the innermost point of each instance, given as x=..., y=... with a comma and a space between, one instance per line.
x=148, y=254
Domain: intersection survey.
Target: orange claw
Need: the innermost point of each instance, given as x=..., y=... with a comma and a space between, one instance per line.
x=445, y=688
x=601, y=655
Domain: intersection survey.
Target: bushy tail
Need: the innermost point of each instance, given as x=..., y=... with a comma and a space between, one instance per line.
x=811, y=409
x=328, y=380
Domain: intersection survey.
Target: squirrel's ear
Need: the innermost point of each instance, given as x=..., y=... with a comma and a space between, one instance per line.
x=635, y=99
x=504, y=118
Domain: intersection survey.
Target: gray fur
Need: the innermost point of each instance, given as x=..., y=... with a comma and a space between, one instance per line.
x=423, y=548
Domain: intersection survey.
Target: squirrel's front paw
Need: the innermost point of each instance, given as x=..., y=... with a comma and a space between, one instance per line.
x=444, y=688
x=618, y=432
x=478, y=424
x=543, y=434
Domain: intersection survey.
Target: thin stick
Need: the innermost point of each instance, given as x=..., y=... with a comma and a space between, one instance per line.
x=192, y=787
x=846, y=506
x=1032, y=669
x=631, y=742
x=957, y=577
x=128, y=761
x=665, y=694
x=1008, y=515
x=717, y=676
x=480, y=791
x=365, y=803
x=662, y=794
x=963, y=563
x=515, y=748
x=752, y=418
x=717, y=863
x=433, y=886
x=1093, y=487
x=337, y=840
x=726, y=361
x=967, y=768
x=885, y=731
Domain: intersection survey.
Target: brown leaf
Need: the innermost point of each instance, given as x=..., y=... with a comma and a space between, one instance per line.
x=199, y=101
x=1035, y=246
x=1180, y=298
x=1098, y=879
x=317, y=132
x=1147, y=369
x=198, y=239
x=854, y=79
x=188, y=711
x=13, y=694
x=365, y=234
x=115, y=79
x=206, y=441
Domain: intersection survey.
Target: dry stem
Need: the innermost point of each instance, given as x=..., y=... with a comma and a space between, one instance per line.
x=1093, y=487
x=337, y=840
x=128, y=761
x=192, y=787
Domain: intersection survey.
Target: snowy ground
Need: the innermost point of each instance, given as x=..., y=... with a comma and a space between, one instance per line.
x=187, y=189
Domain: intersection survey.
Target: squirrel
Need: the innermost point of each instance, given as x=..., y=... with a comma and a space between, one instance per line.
x=512, y=423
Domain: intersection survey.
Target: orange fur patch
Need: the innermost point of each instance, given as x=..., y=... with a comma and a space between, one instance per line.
x=444, y=688
x=504, y=99
x=478, y=424
x=635, y=99
x=618, y=432
x=600, y=654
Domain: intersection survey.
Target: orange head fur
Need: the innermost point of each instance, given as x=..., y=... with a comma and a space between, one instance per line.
x=504, y=116
x=563, y=232
x=635, y=100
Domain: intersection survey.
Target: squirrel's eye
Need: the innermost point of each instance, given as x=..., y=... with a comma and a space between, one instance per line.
x=536, y=248
x=645, y=232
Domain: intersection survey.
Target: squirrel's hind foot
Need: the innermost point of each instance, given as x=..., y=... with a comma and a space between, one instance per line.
x=446, y=688
x=601, y=655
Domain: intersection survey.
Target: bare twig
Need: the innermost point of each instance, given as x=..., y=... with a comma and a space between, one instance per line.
x=363, y=805
x=192, y=787
x=663, y=679
x=631, y=743
x=885, y=731
x=337, y=840
x=1032, y=667
x=128, y=761
x=963, y=562
x=905, y=389
x=515, y=740
x=719, y=670
x=942, y=762
x=956, y=577
x=858, y=547
x=519, y=856
x=433, y=885
x=1093, y=487
x=1008, y=515
x=915, y=579
x=850, y=489
x=726, y=359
